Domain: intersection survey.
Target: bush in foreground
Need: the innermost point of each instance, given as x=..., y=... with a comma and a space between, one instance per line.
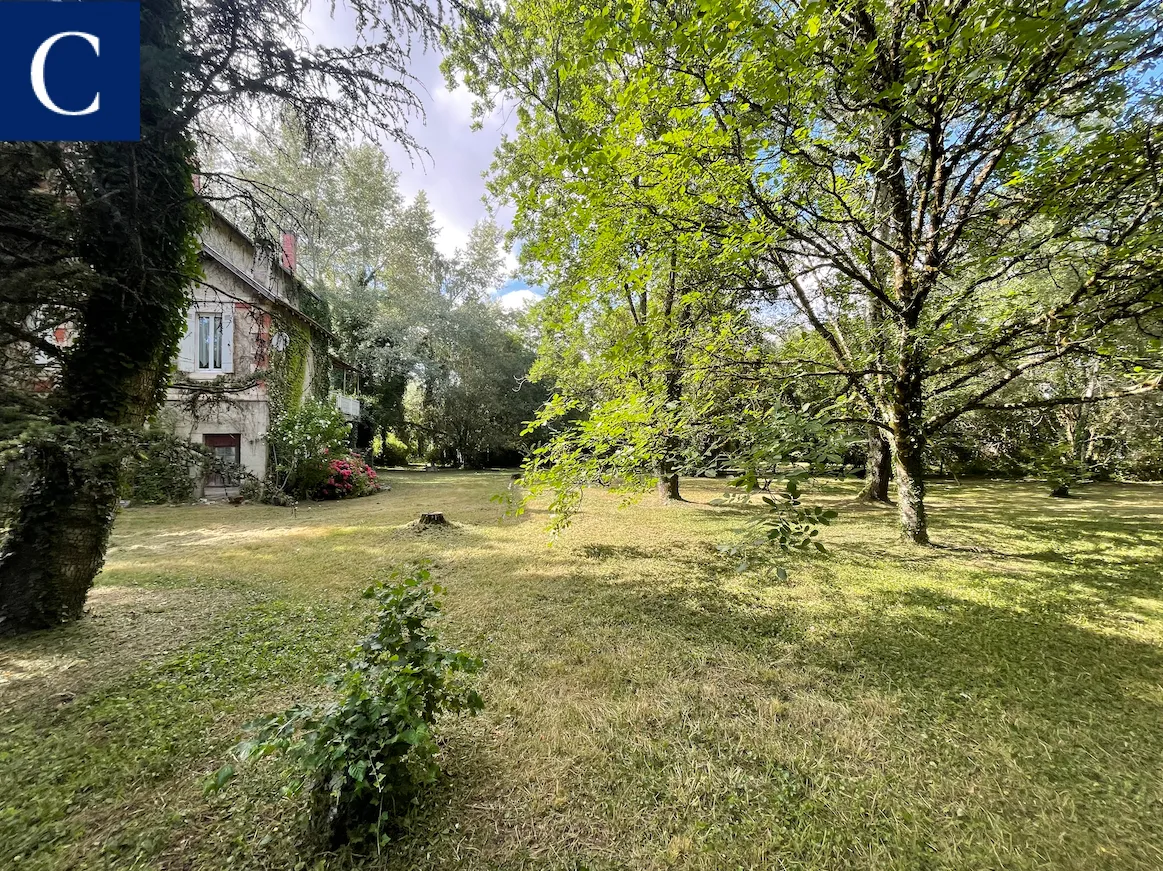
x=363, y=756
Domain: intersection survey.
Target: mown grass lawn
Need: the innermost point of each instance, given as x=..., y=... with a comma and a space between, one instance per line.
x=996, y=702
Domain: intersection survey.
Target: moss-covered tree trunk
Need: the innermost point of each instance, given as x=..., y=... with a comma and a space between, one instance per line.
x=57, y=545
x=137, y=221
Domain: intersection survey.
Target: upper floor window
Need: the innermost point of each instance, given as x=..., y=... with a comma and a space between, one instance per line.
x=208, y=346
x=209, y=341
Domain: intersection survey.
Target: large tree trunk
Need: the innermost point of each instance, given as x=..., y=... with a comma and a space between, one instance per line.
x=57, y=545
x=675, y=316
x=61, y=527
x=668, y=485
x=137, y=220
x=910, y=487
x=877, y=468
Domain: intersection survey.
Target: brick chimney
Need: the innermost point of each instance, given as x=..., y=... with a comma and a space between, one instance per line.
x=290, y=251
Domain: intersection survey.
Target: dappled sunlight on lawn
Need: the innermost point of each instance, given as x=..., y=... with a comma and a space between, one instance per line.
x=990, y=702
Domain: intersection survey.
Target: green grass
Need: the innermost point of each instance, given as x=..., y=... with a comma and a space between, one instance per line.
x=995, y=702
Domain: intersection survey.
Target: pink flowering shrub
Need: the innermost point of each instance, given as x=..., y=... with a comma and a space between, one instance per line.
x=348, y=476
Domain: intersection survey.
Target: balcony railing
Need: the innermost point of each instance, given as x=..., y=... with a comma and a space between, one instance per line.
x=349, y=405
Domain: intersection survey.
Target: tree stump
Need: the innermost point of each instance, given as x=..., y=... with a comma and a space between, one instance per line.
x=433, y=519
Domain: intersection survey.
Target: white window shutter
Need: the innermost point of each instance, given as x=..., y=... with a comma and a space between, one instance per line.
x=188, y=347
x=228, y=338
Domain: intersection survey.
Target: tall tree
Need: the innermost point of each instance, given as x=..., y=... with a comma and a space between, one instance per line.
x=628, y=286
x=896, y=168
x=473, y=394
x=136, y=217
x=478, y=268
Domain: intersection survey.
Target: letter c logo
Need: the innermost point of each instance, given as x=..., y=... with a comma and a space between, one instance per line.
x=38, y=61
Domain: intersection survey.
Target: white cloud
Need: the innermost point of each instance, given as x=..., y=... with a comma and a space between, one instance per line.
x=511, y=263
x=515, y=300
x=453, y=234
x=452, y=170
x=457, y=104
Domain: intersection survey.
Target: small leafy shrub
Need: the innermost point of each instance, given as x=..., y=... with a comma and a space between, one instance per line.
x=366, y=479
x=363, y=756
x=255, y=489
x=339, y=483
x=252, y=488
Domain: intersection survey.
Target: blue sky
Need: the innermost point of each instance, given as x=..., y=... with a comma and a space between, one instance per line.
x=451, y=172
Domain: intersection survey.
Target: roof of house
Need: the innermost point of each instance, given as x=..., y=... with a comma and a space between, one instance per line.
x=257, y=286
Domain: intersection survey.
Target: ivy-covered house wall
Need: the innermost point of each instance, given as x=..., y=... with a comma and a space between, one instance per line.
x=256, y=345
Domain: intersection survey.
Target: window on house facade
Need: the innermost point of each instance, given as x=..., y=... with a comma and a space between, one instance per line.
x=207, y=348
x=209, y=341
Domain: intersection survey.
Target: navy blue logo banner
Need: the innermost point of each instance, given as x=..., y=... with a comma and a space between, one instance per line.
x=70, y=71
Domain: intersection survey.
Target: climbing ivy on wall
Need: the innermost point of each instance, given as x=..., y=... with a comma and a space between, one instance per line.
x=288, y=369
x=282, y=363
x=316, y=308
x=321, y=377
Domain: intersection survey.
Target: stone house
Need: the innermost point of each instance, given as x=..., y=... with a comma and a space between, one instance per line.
x=255, y=343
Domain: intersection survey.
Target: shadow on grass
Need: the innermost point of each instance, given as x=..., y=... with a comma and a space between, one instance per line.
x=1025, y=708
x=1005, y=674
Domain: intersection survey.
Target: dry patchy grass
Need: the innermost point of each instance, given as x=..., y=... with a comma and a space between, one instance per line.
x=990, y=703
